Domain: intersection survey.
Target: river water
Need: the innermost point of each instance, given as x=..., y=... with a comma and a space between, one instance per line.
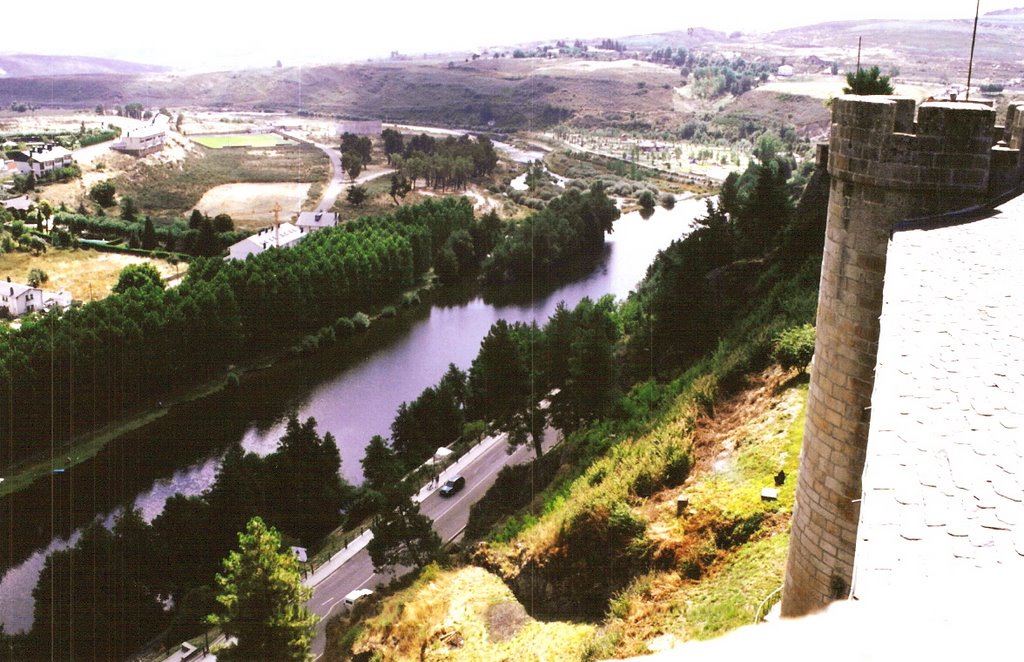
x=351, y=391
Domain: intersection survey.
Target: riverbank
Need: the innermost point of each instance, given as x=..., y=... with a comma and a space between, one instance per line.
x=86, y=446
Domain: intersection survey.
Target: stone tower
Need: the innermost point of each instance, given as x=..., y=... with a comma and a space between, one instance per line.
x=884, y=168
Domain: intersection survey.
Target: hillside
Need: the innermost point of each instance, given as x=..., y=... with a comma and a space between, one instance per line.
x=593, y=533
x=505, y=94
x=21, y=65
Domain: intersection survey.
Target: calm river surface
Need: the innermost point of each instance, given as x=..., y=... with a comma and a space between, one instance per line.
x=352, y=392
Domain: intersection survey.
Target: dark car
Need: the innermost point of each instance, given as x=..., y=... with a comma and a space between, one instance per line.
x=452, y=486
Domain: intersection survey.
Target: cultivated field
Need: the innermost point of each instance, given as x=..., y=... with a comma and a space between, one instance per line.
x=250, y=205
x=242, y=140
x=89, y=275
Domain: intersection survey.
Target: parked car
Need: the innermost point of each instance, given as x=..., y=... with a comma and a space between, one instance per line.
x=452, y=486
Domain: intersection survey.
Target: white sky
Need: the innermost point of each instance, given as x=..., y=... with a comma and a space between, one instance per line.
x=220, y=34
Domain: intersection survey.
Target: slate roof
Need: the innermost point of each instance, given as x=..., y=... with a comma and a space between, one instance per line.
x=943, y=488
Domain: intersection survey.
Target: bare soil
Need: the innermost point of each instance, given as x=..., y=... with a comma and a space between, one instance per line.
x=250, y=205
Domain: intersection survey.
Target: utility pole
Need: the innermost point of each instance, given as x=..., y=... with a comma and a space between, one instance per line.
x=970, y=64
x=858, y=53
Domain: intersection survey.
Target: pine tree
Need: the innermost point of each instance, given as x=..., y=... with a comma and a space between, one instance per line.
x=263, y=599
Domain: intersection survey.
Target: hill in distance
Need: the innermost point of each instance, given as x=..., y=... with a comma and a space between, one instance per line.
x=20, y=65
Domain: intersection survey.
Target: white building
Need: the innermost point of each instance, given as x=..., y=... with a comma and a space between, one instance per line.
x=145, y=139
x=20, y=299
x=310, y=221
x=364, y=128
x=785, y=71
x=283, y=236
x=42, y=159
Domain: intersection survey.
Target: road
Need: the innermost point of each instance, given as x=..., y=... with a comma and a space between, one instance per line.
x=480, y=467
x=351, y=568
x=337, y=183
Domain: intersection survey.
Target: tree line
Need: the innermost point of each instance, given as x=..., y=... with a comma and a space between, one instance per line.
x=130, y=349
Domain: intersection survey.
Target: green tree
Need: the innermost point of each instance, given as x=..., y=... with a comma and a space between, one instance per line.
x=37, y=277
x=262, y=599
x=867, y=82
x=138, y=276
x=148, y=235
x=381, y=465
x=207, y=244
x=356, y=195
x=393, y=143
x=768, y=145
x=402, y=536
x=400, y=187
x=223, y=223
x=195, y=220
x=646, y=200
x=352, y=163
x=129, y=211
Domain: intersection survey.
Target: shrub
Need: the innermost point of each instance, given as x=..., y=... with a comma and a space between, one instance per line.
x=668, y=201
x=37, y=277
x=794, y=347
x=344, y=327
x=361, y=321
x=411, y=299
x=232, y=380
x=389, y=311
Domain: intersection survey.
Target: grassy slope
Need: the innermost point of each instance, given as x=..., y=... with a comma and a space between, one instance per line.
x=706, y=572
x=466, y=614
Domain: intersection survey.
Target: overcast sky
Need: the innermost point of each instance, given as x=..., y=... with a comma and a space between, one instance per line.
x=219, y=34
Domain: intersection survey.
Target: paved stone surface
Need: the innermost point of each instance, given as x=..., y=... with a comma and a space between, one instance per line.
x=943, y=489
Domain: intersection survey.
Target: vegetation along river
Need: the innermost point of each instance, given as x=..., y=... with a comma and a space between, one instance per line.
x=352, y=391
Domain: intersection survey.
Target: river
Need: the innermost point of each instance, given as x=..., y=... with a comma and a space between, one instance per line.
x=352, y=391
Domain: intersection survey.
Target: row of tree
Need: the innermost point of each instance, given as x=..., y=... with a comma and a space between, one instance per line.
x=130, y=349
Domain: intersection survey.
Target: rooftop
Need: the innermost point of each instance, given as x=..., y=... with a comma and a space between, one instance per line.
x=317, y=219
x=943, y=486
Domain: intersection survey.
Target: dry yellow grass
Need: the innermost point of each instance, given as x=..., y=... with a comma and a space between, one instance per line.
x=467, y=614
x=88, y=275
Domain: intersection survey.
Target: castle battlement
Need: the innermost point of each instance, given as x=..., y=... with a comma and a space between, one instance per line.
x=952, y=149
x=885, y=167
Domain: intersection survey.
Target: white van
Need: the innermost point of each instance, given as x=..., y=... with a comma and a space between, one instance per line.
x=354, y=597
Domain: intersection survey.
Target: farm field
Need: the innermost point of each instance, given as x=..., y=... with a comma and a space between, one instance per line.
x=250, y=204
x=242, y=140
x=89, y=275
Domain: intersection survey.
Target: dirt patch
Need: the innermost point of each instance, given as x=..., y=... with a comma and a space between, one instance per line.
x=505, y=620
x=251, y=205
x=715, y=434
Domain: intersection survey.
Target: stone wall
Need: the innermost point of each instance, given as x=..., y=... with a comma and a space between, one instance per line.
x=884, y=168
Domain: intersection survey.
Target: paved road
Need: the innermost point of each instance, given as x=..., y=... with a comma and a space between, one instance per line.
x=351, y=568
x=480, y=468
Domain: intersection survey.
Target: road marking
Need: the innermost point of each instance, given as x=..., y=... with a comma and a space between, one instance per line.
x=327, y=602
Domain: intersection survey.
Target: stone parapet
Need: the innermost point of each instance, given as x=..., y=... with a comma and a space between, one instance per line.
x=947, y=151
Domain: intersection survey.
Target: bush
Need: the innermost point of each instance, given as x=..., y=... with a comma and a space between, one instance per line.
x=232, y=380
x=344, y=327
x=668, y=201
x=389, y=311
x=646, y=200
x=794, y=347
x=411, y=299
x=103, y=193
x=361, y=321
